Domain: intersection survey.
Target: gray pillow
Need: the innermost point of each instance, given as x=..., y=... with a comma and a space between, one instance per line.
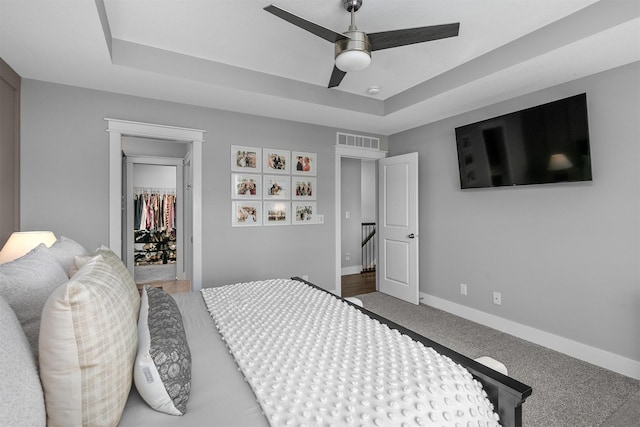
x=64, y=250
x=21, y=398
x=26, y=283
x=162, y=372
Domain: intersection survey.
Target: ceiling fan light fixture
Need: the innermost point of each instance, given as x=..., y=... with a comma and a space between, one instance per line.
x=353, y=60
x=354, y=53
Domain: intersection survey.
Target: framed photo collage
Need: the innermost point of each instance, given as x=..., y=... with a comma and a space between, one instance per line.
x=272, y=187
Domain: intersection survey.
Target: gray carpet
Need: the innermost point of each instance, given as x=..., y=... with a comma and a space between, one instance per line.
x=151, y=273
x=566, y=391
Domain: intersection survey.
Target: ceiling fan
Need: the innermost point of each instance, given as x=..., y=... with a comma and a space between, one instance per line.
x=353, y=48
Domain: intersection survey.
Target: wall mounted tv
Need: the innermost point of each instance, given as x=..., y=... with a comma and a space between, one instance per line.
x=540, y=145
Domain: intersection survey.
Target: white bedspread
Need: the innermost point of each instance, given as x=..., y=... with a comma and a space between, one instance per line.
x=312, y=359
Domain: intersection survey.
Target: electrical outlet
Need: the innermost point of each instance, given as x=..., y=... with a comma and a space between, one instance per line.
x=463, y=289
x=347, y=256
x=497, y=298
x=305, y=277
x=347, y=215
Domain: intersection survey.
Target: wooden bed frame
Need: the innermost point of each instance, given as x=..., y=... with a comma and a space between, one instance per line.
x=506, y=393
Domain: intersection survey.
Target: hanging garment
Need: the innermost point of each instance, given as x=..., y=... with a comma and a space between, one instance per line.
x=155, y=211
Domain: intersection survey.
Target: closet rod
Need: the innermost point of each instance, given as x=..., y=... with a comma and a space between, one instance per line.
x=153, y=190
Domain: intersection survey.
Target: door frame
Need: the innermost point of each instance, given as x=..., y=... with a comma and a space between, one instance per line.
x=117, y=129
x=352, y=153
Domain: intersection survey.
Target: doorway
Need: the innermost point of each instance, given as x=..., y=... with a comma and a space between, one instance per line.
x=354, y=278
x=358, y=201
x=191, y=138
x=397, y=179
x=154, y=212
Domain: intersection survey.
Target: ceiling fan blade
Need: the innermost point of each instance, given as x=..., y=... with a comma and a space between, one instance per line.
x=389, y=39
x=336, y=77
x=316, y=29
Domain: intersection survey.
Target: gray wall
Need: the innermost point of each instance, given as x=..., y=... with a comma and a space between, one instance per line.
x=369, y=205
x=564, y=256
x=65, y=179
x=351, y=228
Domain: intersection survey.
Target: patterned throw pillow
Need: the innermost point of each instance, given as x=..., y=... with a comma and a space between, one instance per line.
x=88, y=340
x=162, y=372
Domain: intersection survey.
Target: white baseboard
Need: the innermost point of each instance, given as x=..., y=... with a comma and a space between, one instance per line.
x=596, y=356
x=354, y=269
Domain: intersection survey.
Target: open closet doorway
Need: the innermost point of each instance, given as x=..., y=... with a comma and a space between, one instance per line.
x=154, y=238
x=154, y=211
x=190, y=181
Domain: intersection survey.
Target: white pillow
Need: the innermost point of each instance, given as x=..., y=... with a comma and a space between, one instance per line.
x=88, y=340
x=65, y=250
x=162, y=372
x=109, y=257
x=21, y=398
x=26, y=283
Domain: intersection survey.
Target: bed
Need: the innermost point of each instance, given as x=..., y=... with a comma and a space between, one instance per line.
x=243, y=373
x=225, y=390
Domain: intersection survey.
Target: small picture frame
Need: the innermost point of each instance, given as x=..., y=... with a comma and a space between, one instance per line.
x=276, y=187
x=246, y=213
x=246, y=159
x=303, y=163
x=245, y=186
x=303, y=188
x=277, y=213
x=276, y=161
x=303, y=213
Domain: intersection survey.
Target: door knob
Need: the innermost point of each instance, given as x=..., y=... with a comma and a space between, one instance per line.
x=411, y=236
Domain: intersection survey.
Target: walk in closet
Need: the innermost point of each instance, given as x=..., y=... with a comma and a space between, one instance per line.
x=155, y=222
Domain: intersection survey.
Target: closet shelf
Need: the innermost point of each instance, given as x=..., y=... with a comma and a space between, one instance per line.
x=154, y=247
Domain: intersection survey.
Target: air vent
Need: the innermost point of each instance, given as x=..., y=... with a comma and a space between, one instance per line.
x=358, y=141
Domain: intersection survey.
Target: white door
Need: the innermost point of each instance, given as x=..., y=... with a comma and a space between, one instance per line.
x=398, y=219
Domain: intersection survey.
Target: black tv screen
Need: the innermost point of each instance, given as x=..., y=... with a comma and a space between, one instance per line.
x=540, y=145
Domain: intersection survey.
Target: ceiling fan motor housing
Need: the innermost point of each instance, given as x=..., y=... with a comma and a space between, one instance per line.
x=352, y=4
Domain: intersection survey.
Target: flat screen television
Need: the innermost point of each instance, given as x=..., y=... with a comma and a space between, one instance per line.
x=545, y=144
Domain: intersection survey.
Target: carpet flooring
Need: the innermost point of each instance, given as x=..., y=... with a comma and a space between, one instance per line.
x=151, y=273
x=566, y=391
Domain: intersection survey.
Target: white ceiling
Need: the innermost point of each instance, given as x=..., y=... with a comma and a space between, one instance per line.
x=231, y=54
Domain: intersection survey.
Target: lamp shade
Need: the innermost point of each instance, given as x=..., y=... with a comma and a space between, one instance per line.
x=353, y=60
x=21, y=242
x=559, y=162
